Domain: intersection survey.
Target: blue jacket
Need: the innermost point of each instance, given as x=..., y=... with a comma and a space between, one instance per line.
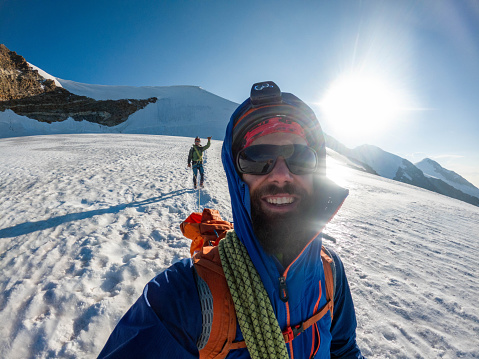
x=166, y=320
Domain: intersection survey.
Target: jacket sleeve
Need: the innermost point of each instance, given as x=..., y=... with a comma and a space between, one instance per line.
x=190, y=155
x=206, y=147
x=165, y=322
x=343, y=327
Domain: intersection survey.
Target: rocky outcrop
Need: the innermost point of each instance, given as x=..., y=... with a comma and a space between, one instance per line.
x=25, y=92
x=59, y=104
x=18, y=79
x=410, y=174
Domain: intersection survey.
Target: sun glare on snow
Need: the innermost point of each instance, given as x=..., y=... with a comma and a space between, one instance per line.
x=357, y=105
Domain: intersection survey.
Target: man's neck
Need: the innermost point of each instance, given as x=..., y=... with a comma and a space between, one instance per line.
x=287, y=247
x=285, y=258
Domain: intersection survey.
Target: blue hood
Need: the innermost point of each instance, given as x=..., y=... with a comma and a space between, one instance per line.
x=240, y=203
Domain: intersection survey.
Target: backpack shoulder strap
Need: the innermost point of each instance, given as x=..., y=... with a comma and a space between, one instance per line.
x=329, y=253
x=219, y=316
x=329, y=277
x=329, y=268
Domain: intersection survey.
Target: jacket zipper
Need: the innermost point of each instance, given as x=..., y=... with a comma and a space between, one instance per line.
x=283, y=289
x=283, y=292
x=284, y=296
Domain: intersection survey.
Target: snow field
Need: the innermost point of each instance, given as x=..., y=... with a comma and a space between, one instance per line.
x=87, y=220
x=411, y=260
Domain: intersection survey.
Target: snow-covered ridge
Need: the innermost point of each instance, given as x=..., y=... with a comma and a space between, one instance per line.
x=394, y=167
x=384, y=163
x=107, y=92
x=45, y=75
x=434, y=169
x=180, y=111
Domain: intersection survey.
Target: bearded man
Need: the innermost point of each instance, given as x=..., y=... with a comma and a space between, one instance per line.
x=274, y=156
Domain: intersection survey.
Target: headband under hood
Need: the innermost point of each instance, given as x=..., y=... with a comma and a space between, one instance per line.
x=286, y=106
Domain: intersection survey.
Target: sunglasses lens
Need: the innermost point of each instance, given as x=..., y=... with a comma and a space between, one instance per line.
x=256, y=160
x=260, y=159
x=302, y=160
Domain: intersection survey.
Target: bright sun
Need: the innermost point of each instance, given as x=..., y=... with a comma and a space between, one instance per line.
x=356, y=105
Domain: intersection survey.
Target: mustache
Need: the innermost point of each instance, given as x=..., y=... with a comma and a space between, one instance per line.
x=271, y=190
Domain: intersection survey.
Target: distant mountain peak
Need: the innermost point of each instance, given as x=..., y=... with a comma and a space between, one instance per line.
x=433, y=169
x=431, y=162
x=451, y=175
x=427, y=174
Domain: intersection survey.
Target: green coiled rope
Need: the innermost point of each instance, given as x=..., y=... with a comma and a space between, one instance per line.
x=254, y=311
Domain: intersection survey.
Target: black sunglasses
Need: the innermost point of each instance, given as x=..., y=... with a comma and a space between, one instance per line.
x=261, y=159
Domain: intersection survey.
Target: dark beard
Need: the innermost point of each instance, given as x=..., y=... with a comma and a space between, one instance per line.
x=285, y=234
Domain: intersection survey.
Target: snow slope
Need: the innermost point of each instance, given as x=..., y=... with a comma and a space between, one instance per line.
x=87, y=220
x=384, y=163
x=180, y=111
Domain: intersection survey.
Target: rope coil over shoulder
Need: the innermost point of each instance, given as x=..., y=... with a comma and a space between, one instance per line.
x=254, y=311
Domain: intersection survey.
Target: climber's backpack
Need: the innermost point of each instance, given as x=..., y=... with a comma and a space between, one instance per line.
x=219, y=317
x=204, y=229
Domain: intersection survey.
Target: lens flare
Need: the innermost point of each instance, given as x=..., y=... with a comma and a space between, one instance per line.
x=356, y=104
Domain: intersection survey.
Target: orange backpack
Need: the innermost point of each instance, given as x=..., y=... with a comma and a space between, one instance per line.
x=219, y=316
x=204, y=229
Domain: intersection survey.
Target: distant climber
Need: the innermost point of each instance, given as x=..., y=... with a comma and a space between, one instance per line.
x=195, y=156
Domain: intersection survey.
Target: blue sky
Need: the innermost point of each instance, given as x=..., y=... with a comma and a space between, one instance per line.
x=407, y=71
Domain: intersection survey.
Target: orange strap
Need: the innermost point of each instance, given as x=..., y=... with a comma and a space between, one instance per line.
x=292, y=332
x=328, y=277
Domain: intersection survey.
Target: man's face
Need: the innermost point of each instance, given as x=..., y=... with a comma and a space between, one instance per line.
x=197, y=142
x=281, y=202
x=273, y=201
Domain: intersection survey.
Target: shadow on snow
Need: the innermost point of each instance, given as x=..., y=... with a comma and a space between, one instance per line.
x=29, y=227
